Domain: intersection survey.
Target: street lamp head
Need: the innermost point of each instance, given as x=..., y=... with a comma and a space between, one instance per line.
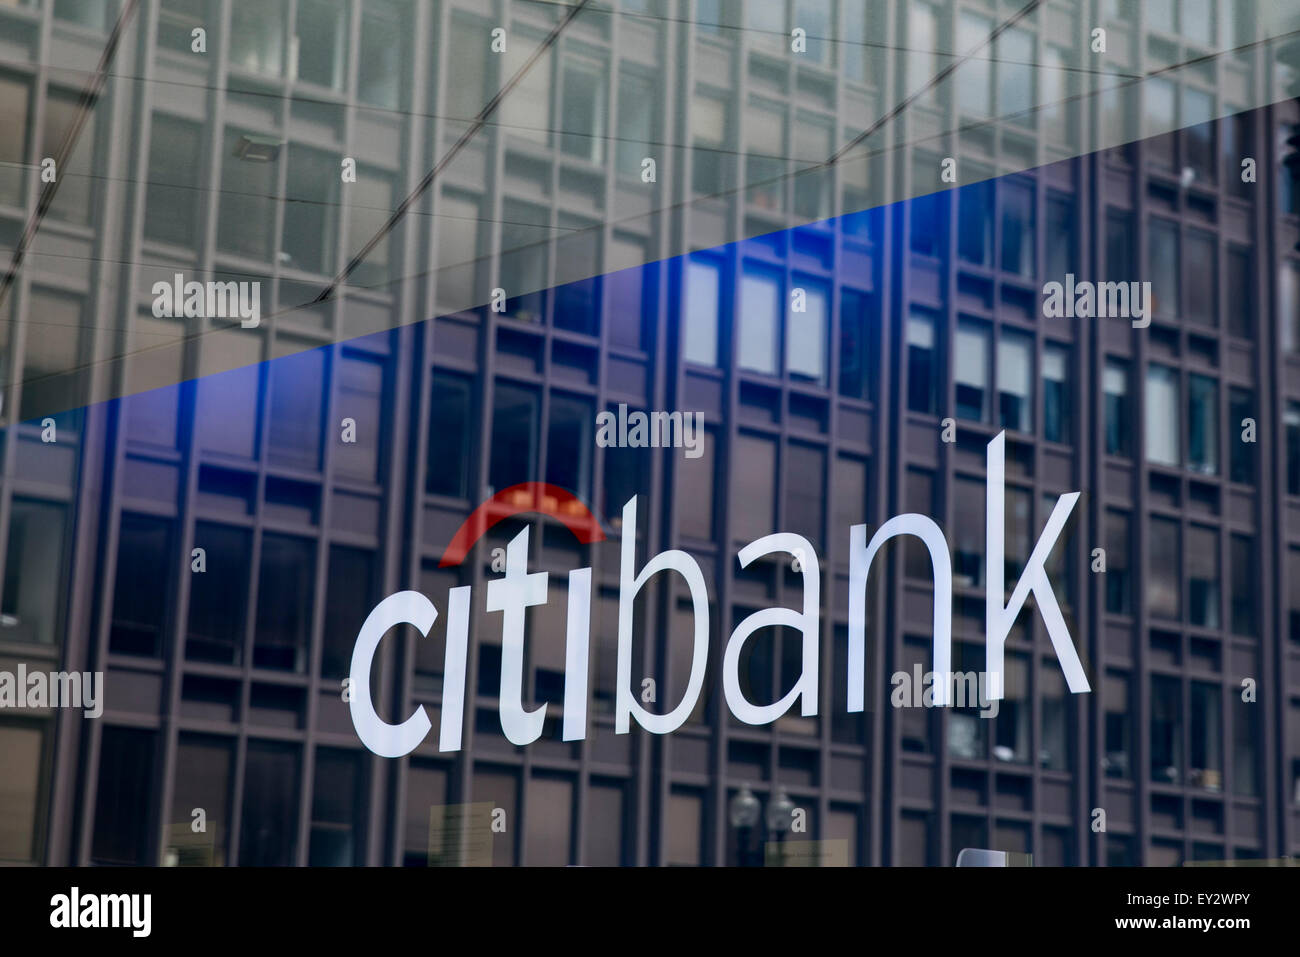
x=780, y=813
x=743, y=811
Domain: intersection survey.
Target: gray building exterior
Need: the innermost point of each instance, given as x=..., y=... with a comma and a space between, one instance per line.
x=223, y=688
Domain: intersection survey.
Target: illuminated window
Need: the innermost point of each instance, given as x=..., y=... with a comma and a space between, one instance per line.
x=758, y=325
x=1162, y=419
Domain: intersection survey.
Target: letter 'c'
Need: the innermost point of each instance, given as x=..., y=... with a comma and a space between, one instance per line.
x=387, y=740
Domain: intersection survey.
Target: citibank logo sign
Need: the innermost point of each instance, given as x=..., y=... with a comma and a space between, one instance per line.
x=519, y=589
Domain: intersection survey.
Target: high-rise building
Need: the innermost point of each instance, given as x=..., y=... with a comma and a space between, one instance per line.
x=284, y=153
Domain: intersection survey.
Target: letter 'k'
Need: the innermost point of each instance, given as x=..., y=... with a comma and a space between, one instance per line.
x=998, y=619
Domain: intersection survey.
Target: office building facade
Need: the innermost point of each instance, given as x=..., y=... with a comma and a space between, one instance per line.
x=921, y=337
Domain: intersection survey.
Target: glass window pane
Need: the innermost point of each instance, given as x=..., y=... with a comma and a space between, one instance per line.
x=1241, y=407
x=1240, y=295
x=805, y=491
x=78, y=176
x=1017, y=228
x=569, y=445
x=1162, y=419
x=1015, y=395
x=257, y=35
x=246, y=215
x=1201, y=272
x=1118, y=408
x=1119, y=577
x=1159, y=97
x=975, y=223
x=923, y=44
x=21, y=787
x=1198, y=134
x=171, y=212
x=755, y=486
x=268, y=830
x=636, y=123
x=685, y=828
x=1162, y=256
x=447, y=468
x=1015, y=54
x=973, y=76
x=297, y=410
x=1291, y=419
x=1118, y=760
x=550, y=822
x=320, y=43
x=351, y=592
x=1058, y=415
x=15, y=107
x=381, y=61
x=52, y=379
x=126, y=767
x=1203, y=577
x=971, y=371
x=1205, y=741
x=1245, y=747
x=603, y=826
x=201, y=778
x=426, y=790
x=337, y=825
x=856, y=336
x=1203, y=424
x=310, y=210
x=805, y=336
x=1166, y=730
x=361, y=398
x=701, y=310
x=514, y=437
x=760, y=307
x=35, y=562
x=583, y=110
x=146, y=557
x=469, y=94
x=695, y=493
x=371, y=202
x=922, y=362
x=219, y=595
x=1060, y=239
x=1164, y=574
x=285, y=594
x=1245, y=577
x=526, y=112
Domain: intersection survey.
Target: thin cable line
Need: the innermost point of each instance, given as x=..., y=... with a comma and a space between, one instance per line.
x=452, y=153
x=89, y=96
x=868, y=44
x=839, y=154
